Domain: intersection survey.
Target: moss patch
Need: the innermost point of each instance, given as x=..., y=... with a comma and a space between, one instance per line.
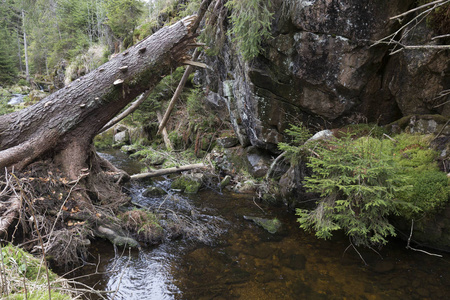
x=187, y=184
x=144, y=225
x=22, y=268
x=270, y=225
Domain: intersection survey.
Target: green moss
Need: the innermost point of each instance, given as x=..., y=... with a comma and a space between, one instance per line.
x=150, y=156
x=22, y=268
x=104, y=140
x=176, y=139
x=439, y=18
x=270, y=225
x=144, y=224
x=430, y=187
x=187, y=184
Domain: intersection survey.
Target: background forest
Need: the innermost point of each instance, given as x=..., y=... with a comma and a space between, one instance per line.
x=38, y=36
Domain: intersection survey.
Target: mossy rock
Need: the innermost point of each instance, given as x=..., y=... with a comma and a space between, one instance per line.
x=270, y=225
x=104, y=140
x=187, y=184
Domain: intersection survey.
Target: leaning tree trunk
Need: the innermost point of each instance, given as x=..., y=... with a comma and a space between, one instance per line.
x=62, y=126
x=63, y=180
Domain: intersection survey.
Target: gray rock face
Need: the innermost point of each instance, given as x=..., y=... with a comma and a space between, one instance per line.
x=320, y=68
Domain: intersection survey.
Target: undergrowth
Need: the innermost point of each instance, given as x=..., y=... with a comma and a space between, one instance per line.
x=25, y=277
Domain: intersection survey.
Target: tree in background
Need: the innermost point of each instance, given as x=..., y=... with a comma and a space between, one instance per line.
x=8, y=70
x=123, y=16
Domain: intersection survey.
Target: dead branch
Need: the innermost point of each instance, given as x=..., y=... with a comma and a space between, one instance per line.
x=417, y=8
x=164, y=133
x=178, y=91
x=168, y=171
x=11, y=213
x=129, y=110
x=418, y=250
x=420, y=17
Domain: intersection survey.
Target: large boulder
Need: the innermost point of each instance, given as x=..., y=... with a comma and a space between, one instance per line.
x=321, y=67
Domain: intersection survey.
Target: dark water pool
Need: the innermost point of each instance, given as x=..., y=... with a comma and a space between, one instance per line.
x=246, y=262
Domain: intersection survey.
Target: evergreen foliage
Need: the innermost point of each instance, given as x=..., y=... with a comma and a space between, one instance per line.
x=123, y=16
x=8, y=70
x=251, y=20
x=364, y=180
x=8, y=49
x=357, y=181
x=295, y=149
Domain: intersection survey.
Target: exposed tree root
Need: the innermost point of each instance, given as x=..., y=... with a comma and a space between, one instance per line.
x=67, y=213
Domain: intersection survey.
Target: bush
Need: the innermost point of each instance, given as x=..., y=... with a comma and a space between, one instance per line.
x=363, y=181
x=295, y=149
x=357, y=181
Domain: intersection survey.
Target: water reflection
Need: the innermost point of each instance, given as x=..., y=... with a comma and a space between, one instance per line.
x=143, y=276
x=246, y=262
x=249, y=263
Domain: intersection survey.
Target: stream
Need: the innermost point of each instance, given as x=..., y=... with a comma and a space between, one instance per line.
x=237, y=259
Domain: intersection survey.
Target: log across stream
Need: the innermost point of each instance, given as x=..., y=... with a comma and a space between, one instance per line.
x=243, y=261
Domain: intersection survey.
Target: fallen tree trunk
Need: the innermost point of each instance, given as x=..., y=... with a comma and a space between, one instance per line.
x=168, y=171
x=63, y=125
x=49, y=149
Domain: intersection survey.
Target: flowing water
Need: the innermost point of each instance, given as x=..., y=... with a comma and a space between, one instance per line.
x=246, y=262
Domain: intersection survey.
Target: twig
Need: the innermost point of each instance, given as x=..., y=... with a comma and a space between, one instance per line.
x=353, y=246
x=258, y=205
x=272, y=166
x=416, y=9
x=442, y=129
x=418, y=250
x=392, y=139
x=41, y=241
x=129, y=110
x=360, y=256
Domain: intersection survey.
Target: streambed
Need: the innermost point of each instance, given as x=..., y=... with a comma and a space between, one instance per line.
x=243, y=261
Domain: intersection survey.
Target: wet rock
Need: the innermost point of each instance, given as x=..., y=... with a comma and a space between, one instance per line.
x=383, y=266
x=423, y=124
x=262, y=251
x=423, y=292
x=247, y=187
x=319, y=68
x=270, y=225
x=153, y=191
x=122, y=137
x=187, y=183
x=416, y=78
x=227, y=142
x=259, y=162
x=266, y=277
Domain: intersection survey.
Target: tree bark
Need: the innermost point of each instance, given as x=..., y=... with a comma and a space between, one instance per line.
x=63, y=125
